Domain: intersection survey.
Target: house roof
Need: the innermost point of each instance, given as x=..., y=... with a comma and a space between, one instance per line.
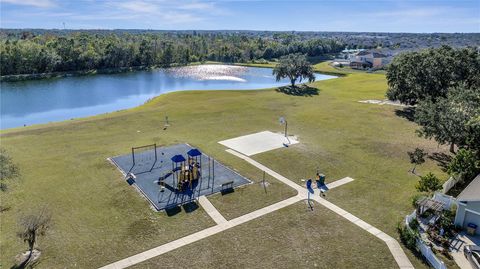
x=363, y=52
x=374, y=54
x=379, y=55
x=471, y=192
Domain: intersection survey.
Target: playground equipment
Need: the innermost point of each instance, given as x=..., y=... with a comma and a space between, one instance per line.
x=143, y=155
x=185, y=172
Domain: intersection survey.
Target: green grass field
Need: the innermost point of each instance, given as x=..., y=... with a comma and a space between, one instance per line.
x=293, y=237
x=98, y=218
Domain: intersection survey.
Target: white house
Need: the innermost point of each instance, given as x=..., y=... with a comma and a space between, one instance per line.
x=468, y=210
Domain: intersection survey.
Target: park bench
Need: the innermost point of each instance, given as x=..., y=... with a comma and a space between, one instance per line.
x=227, y=186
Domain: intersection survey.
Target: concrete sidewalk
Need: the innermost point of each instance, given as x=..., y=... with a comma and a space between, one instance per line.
x=211, y=210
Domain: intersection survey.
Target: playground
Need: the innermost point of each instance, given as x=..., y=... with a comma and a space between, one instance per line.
x=175, y=175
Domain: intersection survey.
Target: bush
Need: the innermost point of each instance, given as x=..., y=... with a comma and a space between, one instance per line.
x=446, y=221
x=428, y=183
x=415, y=199
x=414, y=225
x=408, y=237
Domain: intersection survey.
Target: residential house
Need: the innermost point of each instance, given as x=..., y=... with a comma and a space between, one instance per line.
x=468, y=209
x=368, y=59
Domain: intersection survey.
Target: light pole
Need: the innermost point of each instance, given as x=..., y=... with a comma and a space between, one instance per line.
x=284, y=121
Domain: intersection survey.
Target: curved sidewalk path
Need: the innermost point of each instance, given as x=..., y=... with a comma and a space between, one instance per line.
x=223, y=224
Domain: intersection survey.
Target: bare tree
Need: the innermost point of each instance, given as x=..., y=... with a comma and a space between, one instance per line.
x=32, y=226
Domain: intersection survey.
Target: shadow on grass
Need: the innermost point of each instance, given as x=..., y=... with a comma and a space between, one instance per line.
x=442, y=159
x=172, y=211
x=190, y=207
x=406, y=113
x=301, y=90
x=227, y=191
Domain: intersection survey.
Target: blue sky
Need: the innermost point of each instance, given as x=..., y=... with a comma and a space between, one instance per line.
x=339, y=15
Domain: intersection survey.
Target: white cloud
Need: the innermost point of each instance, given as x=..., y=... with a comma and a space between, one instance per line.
x=33, y=3
x=138, y=6
x=197, y=6
x=412, y=13
x=166, y=12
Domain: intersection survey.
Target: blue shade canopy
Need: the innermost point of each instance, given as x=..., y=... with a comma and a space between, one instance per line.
x=178, y=159
x=194, y=153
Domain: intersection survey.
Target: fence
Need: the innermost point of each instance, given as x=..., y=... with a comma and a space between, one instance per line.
x=430, y=256
x=424, y=249
x=447, y=200
x=449, y=184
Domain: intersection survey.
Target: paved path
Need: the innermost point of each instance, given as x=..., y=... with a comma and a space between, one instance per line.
x=223, y=224
x=143, y=256
x=211, y=210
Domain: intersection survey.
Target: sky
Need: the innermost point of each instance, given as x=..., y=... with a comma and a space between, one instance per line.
x=417, y=16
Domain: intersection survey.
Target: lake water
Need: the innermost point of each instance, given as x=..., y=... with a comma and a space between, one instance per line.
x=41, y=101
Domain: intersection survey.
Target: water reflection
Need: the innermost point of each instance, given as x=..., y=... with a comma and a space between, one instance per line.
x=41, y=101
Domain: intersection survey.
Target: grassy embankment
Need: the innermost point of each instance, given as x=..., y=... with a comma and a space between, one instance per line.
x=99, y=219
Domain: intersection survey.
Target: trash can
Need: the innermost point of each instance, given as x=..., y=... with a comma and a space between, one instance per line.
x=471, y=228
x=321, y=179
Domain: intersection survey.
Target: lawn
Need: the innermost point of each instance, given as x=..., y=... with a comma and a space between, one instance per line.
x=293, y=237
x=98, y=218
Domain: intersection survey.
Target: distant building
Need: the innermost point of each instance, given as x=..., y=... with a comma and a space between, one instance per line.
x=468, y=210
x=368, y=59
x=360, y=65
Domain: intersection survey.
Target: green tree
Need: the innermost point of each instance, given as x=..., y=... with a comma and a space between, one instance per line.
x=430, y=74
x=452, y=119
x=295, y=67
x=428, y=183
x=8, y=169
x=466, y=164
x=417, y=157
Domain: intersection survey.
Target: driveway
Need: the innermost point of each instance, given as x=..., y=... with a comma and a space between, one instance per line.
x=457, y=245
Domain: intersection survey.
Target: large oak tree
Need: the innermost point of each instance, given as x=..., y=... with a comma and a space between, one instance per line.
x=294, y=67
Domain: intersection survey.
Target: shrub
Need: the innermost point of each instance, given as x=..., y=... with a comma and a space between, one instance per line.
x=428, y=183
x=415, y=199
x=408, y=237
x=414, y=225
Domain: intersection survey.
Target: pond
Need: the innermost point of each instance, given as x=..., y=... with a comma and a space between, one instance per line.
x=41, y=101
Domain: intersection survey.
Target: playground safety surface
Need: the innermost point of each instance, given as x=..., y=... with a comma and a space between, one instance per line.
x=147, y=173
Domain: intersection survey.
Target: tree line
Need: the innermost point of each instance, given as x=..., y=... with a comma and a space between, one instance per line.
x=444, y=84
x=28, y=53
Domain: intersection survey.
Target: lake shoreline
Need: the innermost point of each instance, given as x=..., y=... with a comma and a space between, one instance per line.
x=91, y=72
x=43, y=101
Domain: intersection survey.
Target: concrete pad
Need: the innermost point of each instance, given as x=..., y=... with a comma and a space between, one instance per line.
x=258, y=142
